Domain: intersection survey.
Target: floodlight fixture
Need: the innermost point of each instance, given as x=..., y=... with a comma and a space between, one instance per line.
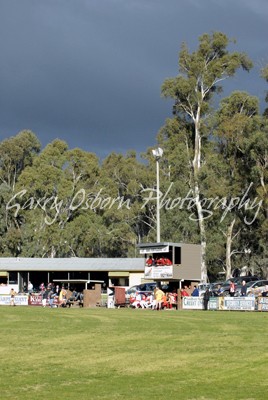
x=157, y=153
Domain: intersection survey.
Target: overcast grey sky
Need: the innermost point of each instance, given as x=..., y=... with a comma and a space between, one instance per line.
x=90, y=71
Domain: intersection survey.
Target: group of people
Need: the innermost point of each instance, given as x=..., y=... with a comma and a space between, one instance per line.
x=158, y=261
x=157, y=300
x=244, y=290
x=52, y=295
x=57, y=297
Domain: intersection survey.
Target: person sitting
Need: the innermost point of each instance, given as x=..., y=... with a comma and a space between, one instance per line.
x=150, y=301
x=137, y=301
x=165, y=303
x=143, y=301
x=172, y=299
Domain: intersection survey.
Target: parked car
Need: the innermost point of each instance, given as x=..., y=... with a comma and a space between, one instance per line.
x=143, y=288
x=237, y=281
x=256, y=287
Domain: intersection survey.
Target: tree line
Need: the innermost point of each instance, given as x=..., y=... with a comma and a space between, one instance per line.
x=61, y=202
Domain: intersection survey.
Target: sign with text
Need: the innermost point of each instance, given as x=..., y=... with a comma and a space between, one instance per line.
x=19, y=300
x=239, y=303
x=158, y=272
x=35, y=299
x=192, y=303
x=263, y=303
x=155, y=250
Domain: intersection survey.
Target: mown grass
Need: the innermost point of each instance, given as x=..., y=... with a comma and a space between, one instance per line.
x=132, y=354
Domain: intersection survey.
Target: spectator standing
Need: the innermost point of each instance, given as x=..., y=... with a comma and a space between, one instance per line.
x=57, y=290
x=218, y=291
x=12, y=297
x=206, y=298
x=184, y=292
x=158, y=295
x=51, y=296
x=30, y=287
x=62, y=297
x=195, y=292
x=243, y=289
x=44, y=297
x=232, y=289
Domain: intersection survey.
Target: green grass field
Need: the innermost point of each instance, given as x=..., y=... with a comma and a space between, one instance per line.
x=132, y=354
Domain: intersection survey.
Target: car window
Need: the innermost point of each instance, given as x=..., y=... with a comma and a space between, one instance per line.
x=142, y=287
x=131, y=290
x=151, y=286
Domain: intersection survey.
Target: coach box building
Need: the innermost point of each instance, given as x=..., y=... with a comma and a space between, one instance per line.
x=166, y=261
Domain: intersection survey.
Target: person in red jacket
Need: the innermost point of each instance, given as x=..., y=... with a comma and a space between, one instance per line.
x=184, y=292
x=167, y=261
x=150, y=261
x=232, y=288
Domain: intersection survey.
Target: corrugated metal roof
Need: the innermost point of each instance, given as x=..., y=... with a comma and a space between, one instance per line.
x=72, y=264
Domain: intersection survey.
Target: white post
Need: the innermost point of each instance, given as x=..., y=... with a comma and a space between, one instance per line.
x=157, y=204
x=157, y=153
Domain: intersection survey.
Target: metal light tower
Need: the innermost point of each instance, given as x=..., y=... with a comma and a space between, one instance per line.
x=157, y=153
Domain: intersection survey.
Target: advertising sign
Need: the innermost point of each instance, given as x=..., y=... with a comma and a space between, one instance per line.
x=158, y=272
x=263, y=303
x=239, y=303
x=164, y=249
x=20, y=300
x=35, y=299
x=213, y=303
x=192, y=303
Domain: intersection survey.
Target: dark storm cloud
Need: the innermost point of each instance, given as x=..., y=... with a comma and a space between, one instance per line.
x=90, y=71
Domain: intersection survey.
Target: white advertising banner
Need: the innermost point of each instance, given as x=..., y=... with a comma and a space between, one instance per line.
x=239, y=303
x=164, y=249
x=192, y=303
x=20, y=300
x=159, y=272
x=263, y=303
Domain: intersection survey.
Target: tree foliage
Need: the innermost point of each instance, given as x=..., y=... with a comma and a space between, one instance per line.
x=61, y=202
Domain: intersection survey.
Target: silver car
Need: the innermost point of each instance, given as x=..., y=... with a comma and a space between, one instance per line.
x=255, y=288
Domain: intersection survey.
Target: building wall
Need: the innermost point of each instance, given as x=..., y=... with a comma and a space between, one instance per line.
x=136, y=278
x=190, y=262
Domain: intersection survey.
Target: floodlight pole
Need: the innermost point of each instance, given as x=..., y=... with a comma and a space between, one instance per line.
x=157, y=153
x=157, y=203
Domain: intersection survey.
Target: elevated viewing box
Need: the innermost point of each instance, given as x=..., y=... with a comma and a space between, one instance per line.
x=171, y=261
